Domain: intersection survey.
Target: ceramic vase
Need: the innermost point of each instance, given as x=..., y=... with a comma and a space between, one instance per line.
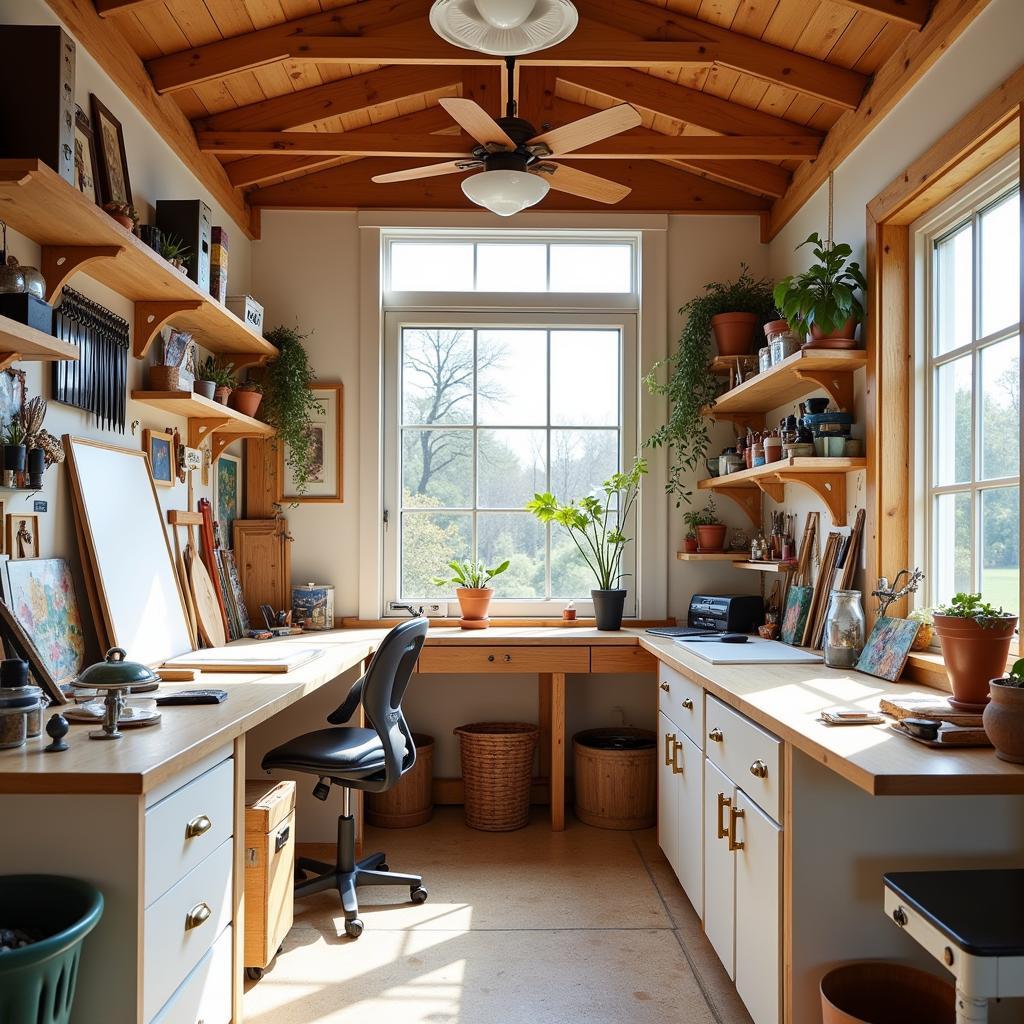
x=473, y=603
x=974, y=654
x=1003, y=719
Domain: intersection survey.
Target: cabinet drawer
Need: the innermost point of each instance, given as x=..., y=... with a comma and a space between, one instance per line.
x=682, y=701
x=621, y=659
x=183, y=829
x=175, y=939
x=748, y=754
x=504, y=659
x=204, y=997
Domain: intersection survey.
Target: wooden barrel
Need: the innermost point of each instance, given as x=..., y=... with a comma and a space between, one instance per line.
x=411, y=802
x=616, y=773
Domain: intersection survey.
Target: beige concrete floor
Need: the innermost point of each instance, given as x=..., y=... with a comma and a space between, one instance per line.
x=528, y=927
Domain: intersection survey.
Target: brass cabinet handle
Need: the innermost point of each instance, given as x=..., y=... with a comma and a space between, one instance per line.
x=716, y=735
x=670, y=737
x=677, y=769
x=687, y=704
x=666, y=687
x=199, y=914
x=759, y=769
x=734, y=815
x=198, y=826
x=723, y=802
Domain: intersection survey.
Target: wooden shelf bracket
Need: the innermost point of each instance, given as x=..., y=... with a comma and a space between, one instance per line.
x=748, y=497
x=742, y=421
x=59, y=262
x=151, y=316
x=830, y=487
x=838, y=384
x=200, y=429
x=9, y=359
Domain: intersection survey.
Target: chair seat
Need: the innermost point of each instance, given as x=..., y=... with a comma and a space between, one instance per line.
x=340, y=752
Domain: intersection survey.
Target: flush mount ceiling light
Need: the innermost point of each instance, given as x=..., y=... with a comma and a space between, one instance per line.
x=504, y=27
x=505, y=192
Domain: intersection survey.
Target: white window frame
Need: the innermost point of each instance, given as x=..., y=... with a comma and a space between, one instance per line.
x=966, y=205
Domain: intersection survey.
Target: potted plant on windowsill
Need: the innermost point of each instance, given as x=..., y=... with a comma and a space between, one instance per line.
x=596, y=526
x=975, y=639
x=1003, y=717
x=822, y=301
x=246, y=397
x=471, y=579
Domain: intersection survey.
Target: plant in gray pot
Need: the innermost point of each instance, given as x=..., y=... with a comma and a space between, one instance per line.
x=14, y=449
x=596, y=524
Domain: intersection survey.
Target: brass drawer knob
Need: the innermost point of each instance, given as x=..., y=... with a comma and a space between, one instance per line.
x=759, y=769
x=198, y=826
x=716, y=735
x=199, y=914
x=666, y=687
x=687, y=704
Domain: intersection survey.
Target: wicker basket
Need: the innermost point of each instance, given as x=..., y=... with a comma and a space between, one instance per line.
x=497, y=769
x=165, y=378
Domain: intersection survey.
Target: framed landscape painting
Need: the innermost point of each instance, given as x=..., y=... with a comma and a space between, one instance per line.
x=325, y=477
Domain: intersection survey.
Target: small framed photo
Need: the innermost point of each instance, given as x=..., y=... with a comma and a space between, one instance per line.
x=325, y=482
x=111, y=162
x=227, y=495
x=22, y=535
x=85, y=156
x=159, y=446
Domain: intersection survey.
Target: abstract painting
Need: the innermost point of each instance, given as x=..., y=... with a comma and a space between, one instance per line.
x=886, y=651
x=794, y=618
x=227, y=495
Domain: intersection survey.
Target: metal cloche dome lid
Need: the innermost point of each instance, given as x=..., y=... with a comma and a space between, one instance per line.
x=115, y=672
x=504, y=28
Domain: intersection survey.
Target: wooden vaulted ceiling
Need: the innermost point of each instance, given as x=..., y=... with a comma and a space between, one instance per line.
x=303, y=101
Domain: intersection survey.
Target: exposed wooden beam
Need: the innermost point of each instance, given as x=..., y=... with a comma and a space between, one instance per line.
x=912, y=13
x=651, y=146
x=106, y=8
x=295, y=109
x=893, y=80
x=680, y=102
x=817, y=78
x=117, y=59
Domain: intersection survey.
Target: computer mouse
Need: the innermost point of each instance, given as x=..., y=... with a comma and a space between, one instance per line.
x=733, y=638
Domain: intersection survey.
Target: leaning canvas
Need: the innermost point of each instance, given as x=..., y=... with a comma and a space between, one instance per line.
x=886, y=651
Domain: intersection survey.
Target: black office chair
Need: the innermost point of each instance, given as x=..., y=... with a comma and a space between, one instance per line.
x=372, y=760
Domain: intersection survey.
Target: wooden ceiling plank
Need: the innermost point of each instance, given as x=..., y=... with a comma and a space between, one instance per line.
x=911, y=13
x=109, y=8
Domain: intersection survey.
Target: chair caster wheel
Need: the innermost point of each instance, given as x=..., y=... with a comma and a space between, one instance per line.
x=418, y=894
x=354, y=928
x=383, y=867
x=254, y=973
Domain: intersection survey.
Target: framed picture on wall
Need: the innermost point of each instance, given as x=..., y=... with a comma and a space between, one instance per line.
x=325, y=482
x=22, y=535
x=227, y=495
x=85, y=156
x=159, y=446
x=111, y=162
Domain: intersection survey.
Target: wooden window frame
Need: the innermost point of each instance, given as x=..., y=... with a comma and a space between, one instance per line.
x=989, y=132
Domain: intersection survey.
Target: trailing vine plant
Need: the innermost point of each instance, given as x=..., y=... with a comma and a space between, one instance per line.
x=691, y=385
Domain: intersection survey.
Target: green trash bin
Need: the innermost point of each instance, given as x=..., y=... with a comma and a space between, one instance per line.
x=37, y=981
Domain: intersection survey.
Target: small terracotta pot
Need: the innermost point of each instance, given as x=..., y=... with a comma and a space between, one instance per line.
x=1003, y=720
x=772, y=449
x=711, y=538
x=245, y=402
x=776, y=327
x=848, y=330
x=973, y=655
x=125, y=222
x=690, y=545
x=474, y=602
x=222, y=395
x=769, y=631
x=734, y=333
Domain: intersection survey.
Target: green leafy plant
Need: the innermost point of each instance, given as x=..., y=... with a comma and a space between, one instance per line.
x=690, y=385
x=824, y=295
x=221, y=373
x=250, y=385
x=174, y=250
x=596, y=525
x=1015, y=677
x=15, y=432
x=288, y=402
x=971, y=606
x=923, y=615
x=472, y=575
x=706, y=516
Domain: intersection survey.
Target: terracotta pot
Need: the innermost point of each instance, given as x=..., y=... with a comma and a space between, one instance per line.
x=474, y=602
x=973, y=655
x=734, y=333
x=690, y=545
x=711, y=538
x=848, y=330
x=776, y=327
x=1003, y=719
x=885, y=993
x=125, y=222
x=245, y=402
x=222, y=395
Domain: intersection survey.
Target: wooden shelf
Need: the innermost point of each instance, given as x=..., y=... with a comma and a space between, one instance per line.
x=800, y=374
x=76, y=235
x=19, y=342
x=206, y=418
x=716, y=556
x=766, y=566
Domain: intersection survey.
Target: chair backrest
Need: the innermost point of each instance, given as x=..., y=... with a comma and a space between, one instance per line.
x=384, y=686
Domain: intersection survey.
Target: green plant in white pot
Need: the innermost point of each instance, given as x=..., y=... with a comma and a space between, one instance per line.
x=596, y=525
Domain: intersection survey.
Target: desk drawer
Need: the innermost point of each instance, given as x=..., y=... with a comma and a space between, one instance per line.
x=682, y=701
x=504, y=659
x=204, y=997
x=175, y=940
x=187, y=826
x=748, y=754
x=616, y=659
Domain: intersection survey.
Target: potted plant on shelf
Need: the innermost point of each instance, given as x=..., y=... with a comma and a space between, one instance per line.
x=176, y=252
x=1003, y=717
x=205, y=383
x=596, y=526
x=691, y=519
x=710, y=529
x=975, y=639
x=691, y=385
x=33, y=412
x=822, y=301
x=223, y=376
x=471, y=581
x=246, y=397
x=14, y=450
x=124, y=214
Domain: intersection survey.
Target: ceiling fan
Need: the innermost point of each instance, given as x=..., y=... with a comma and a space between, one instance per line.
x=515, y=161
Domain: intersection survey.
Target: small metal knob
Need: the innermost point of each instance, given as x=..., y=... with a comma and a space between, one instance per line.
x=198, y=826
x=759, y=769
x=508, y=657
x=490, y=657
x=899, y=915
x=947, y=956
x=198, y=915
x=666, y=687
x=687, y=704
x=716, y=735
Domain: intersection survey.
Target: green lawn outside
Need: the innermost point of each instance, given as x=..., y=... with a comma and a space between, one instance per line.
x=1002, y=587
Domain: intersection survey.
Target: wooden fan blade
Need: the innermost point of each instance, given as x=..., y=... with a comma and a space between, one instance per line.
x=588, y=130
x=580, y=183
x=429, y=171
x=475, y=121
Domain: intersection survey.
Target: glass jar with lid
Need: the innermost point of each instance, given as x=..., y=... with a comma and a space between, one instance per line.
x=844, y=629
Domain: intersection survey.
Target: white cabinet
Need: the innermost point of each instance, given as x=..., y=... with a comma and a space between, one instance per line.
x=679, y=807
x=719, y=868
x=668, y=814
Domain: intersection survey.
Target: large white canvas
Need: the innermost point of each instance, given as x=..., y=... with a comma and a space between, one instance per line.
x=128, y=549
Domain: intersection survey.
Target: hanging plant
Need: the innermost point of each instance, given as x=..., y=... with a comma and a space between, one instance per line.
x=288, y=402
x=691, y=385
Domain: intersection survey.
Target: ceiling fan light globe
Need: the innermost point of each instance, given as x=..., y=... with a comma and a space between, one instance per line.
x=505, y=14
x=505, y=193
x=480, y=24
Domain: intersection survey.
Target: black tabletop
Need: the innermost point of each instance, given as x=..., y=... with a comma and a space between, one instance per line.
x=981, y=912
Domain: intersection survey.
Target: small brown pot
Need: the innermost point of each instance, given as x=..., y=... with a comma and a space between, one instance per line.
x=711, y=539
x=690, y=545
x=848, y=330
x=776, y=327
x=125, y=222
x=1003, y=719
x=222, y=395
x=734, y=333
x=245, y=402
x=474, y=602
x=973, y=655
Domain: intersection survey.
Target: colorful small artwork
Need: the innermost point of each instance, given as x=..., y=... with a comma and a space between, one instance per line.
x=159, y=446
x=886, y=651
x=794, y=617
x=227, y=495
x=41, y=594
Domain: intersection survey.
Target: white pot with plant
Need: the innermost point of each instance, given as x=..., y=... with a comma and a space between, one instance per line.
x=471, y=581
x=596, y=525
